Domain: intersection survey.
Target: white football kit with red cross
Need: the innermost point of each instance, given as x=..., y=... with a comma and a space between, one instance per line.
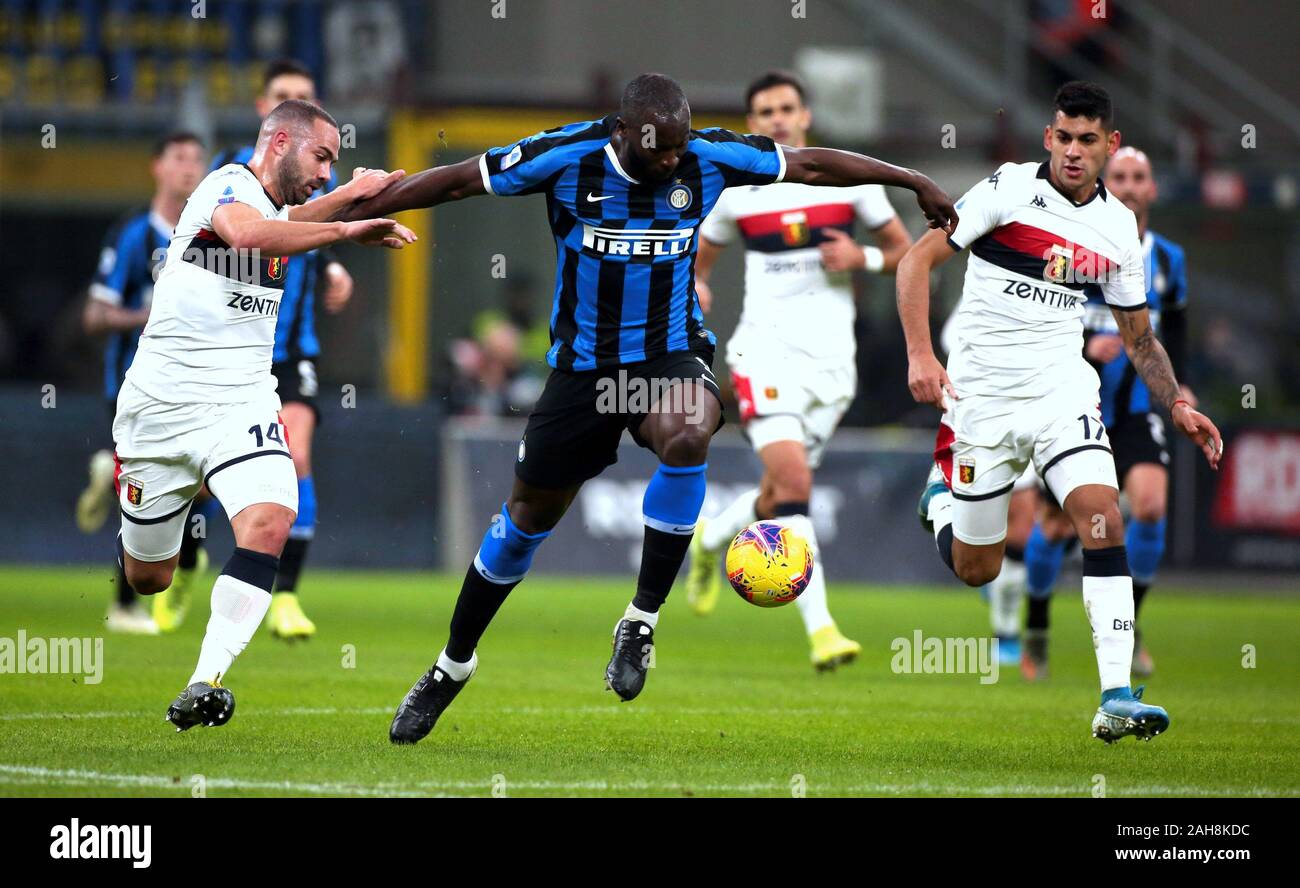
x=199, y=405
x=792, y=355
x=1025, y=393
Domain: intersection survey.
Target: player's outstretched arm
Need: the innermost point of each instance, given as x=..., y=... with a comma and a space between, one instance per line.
x=926, y=377
x=423, y=189
x=244, y=228
x=365, y=184
x=830, y=166
x=1152, y=364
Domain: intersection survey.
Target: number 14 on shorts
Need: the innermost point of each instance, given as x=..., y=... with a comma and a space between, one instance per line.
x=272, y=434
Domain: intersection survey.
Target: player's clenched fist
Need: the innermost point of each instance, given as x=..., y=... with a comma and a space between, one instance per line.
x=1197, y=426
x=929, y=382
x=935, y=204
x=379, y=232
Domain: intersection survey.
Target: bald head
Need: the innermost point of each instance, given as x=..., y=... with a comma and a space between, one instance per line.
x=297, y=115
x=298, y=145
x=653, y=128
x=653, y=95
x=1130, y=178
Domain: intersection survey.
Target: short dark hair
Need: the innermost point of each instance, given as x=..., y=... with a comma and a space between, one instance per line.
x=293, y=112
x=772, y=79
x=1079, y=98
x=280, y=67
x=652, y=95
x=175, y=137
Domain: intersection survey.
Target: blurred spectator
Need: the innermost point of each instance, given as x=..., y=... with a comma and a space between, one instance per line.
x=1078, y=27
x=488, y=374
x=366, y=48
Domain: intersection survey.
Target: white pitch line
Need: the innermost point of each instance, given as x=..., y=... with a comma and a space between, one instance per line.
x=30, y=775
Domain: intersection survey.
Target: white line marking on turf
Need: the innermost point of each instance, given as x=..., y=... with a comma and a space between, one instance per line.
x=33, y=775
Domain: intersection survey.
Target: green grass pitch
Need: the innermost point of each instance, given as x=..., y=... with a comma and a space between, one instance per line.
x=732, y=707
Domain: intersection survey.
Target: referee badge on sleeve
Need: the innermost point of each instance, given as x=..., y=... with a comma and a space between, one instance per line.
x=134, y=491
x=966, y=471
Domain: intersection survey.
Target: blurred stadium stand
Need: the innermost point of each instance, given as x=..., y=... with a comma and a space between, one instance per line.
x=424, y=83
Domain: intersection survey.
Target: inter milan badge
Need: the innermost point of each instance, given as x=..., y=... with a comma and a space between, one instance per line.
x=275, y=268
x=680, y=197
x=134, y=491
x=966, y=471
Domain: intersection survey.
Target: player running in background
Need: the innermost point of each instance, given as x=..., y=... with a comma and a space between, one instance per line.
x=1136, y=429
x=625, y=196
x=297, y=351
x=199, y=408
x=792, y=357
x=1043, y=237
x=117, y=308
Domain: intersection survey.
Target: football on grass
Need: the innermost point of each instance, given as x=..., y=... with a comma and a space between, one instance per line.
x=768, y=564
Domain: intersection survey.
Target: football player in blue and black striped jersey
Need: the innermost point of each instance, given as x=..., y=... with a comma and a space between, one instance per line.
x=117, y=309
x=625, y=196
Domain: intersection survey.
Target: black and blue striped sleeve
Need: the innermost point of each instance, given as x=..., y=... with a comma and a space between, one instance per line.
x=742, y=159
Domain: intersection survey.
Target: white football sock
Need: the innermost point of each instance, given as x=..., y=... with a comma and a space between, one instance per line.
x=1005, y=595
x=722, y=528
x=634, y=613
x=812, y=603
x=237, y=611
x=1109, y=603
x=457, y=671
x=940, y=511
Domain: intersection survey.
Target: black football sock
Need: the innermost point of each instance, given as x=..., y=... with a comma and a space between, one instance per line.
x=944, y=542
x=125, y=595
x=1139, y=593
x=190, y=544
x=291, y=559
x=478, y=603
x=1039, y=610
x=661, y=557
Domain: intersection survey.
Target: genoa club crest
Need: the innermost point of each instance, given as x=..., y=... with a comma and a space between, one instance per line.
x=794, y=228
x=1058, y=264
x=966, y=471
x=134, y=492
x=275, y=268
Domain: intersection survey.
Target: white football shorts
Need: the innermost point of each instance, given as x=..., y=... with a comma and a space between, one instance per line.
x=167, y=452
x=787, y=399
x=986, y=443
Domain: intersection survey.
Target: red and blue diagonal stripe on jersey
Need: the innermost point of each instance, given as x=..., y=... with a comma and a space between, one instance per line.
x=1027, y=250
x=797, y=228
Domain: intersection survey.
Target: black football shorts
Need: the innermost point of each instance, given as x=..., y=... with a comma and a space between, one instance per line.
x=573, y=432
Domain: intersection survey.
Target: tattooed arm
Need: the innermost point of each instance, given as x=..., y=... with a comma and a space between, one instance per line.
x=1152, y=364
